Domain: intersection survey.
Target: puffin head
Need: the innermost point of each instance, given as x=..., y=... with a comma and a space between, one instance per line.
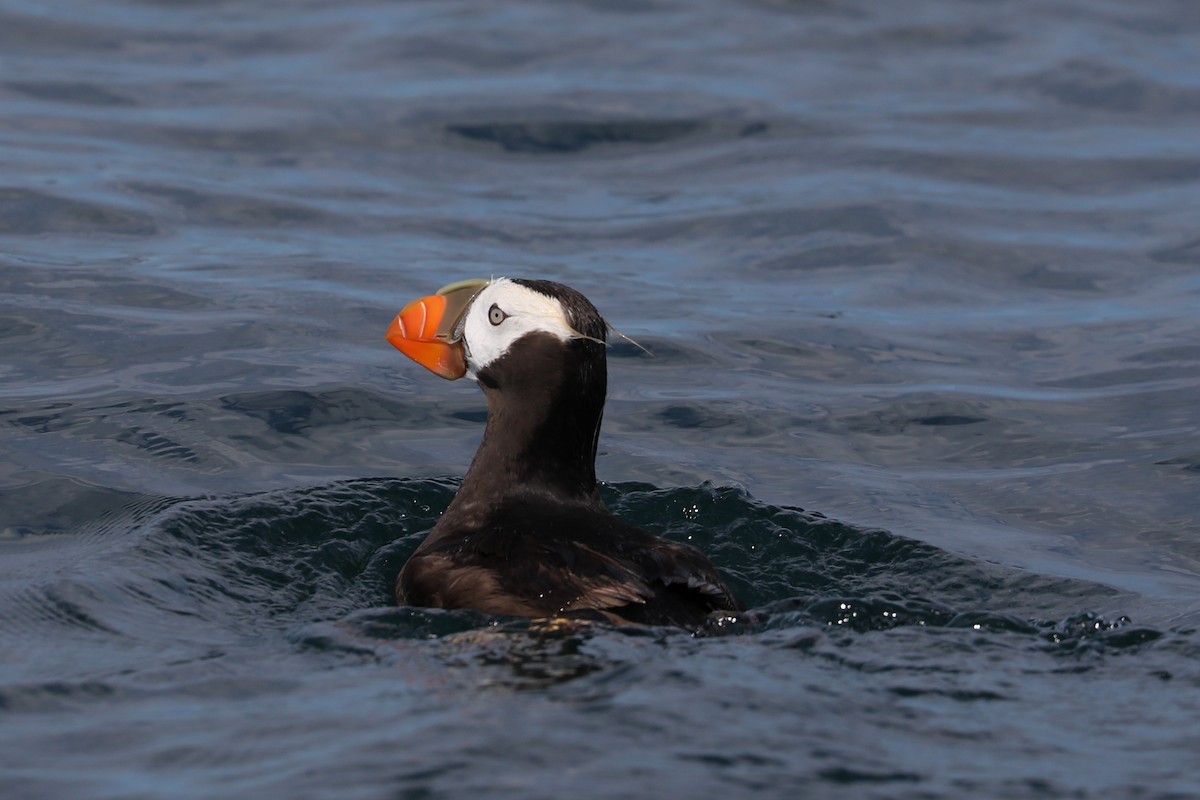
x=501, y=331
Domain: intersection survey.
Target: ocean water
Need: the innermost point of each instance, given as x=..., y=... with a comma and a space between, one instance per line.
x=920, y=289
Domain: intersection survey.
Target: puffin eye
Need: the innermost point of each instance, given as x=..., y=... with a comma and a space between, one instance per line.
x=495, y=315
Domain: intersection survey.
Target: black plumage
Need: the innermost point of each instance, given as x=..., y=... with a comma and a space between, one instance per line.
x=527, y=533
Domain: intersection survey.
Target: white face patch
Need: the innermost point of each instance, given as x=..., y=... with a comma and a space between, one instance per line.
x=504, y=312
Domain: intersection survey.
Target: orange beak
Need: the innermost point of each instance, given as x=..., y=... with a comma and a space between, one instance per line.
x=427, y=329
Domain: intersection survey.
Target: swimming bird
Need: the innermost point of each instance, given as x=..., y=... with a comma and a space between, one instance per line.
x=527, y=533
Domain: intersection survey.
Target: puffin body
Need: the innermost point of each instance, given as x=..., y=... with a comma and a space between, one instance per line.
x=527, y=533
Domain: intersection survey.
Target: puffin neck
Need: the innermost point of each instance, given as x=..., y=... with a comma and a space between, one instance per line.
x=543, y=424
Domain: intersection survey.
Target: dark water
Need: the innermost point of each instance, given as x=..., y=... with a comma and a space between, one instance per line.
x=928, y=270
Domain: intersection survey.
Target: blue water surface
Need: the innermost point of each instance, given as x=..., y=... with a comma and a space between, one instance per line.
x=929, y=271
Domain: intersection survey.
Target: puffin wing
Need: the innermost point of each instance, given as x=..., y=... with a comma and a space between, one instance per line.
x=565, y=565
x=526, y=577
x=642, y=573
x=600, y=582
x=683, y=566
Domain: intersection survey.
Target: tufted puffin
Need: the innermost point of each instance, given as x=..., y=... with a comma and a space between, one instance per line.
x=527, y=533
